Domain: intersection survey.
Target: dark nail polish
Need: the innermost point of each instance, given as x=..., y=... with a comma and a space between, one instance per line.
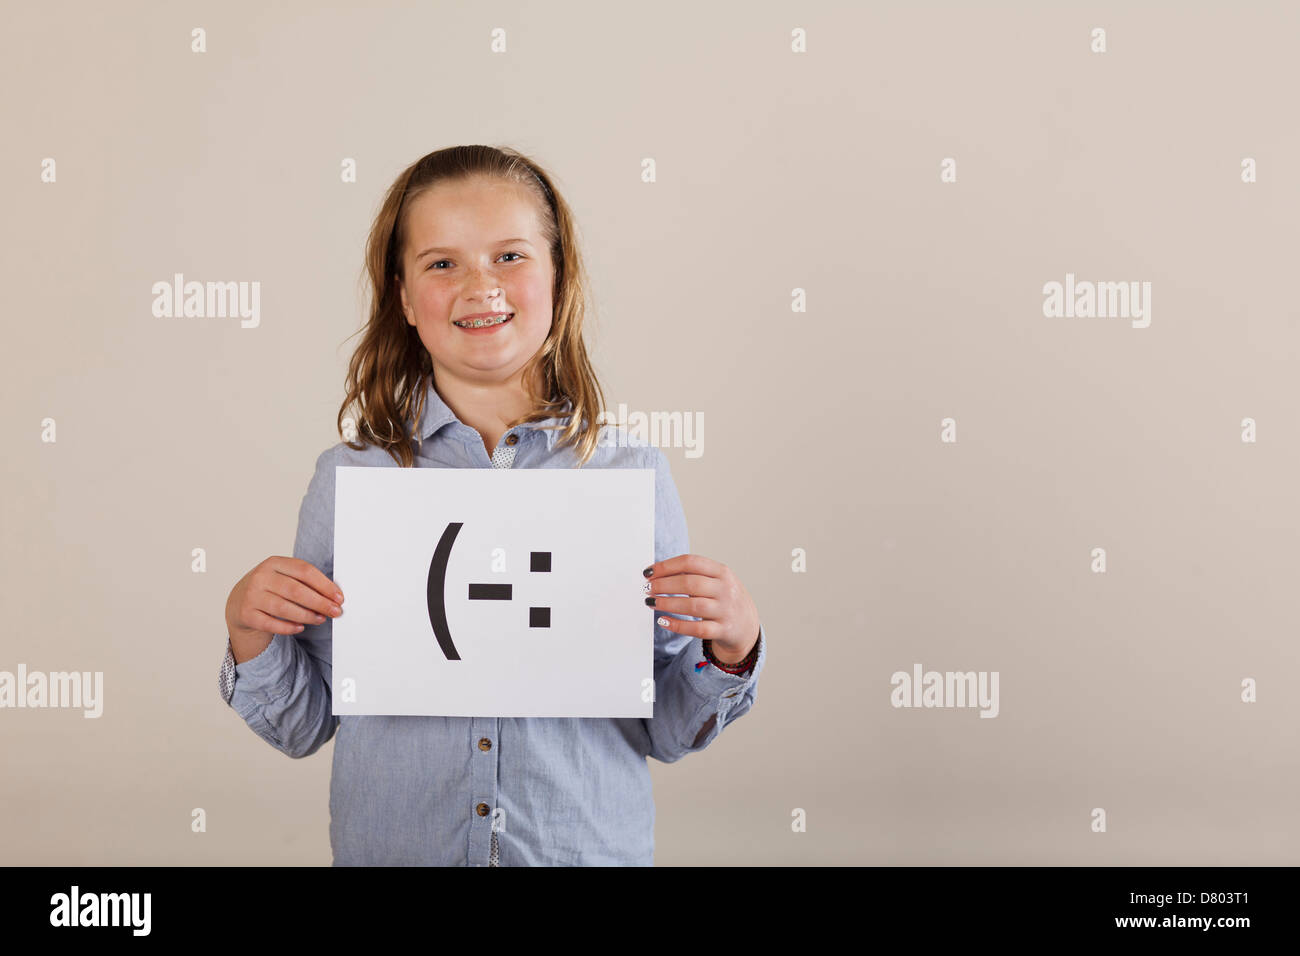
x=650, y=602
x=648, y=571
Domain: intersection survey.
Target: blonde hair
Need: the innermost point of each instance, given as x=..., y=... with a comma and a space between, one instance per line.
x=390, y=372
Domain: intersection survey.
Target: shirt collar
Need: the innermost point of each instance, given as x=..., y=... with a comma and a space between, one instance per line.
x=438, y=414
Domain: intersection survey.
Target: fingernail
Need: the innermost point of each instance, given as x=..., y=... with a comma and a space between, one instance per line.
x=649, y=571
x=650, y=602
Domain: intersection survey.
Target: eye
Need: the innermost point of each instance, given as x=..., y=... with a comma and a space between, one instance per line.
x=433, y=264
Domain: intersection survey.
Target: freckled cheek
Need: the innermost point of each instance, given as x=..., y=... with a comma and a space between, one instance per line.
x=534, y=301
x=435, y=306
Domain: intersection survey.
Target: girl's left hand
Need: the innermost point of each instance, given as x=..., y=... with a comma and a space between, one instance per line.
x=713, y=593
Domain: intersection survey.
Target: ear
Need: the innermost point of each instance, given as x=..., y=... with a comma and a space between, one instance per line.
x=406, y=306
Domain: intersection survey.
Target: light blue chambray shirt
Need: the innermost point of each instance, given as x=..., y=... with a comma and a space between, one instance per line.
x=421, y=791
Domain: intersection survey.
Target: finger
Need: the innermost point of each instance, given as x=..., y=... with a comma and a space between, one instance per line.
x=696, y=563
x=274, y=605
x=701, y=629
x=294, y=590
x=272, y=625
x=706, y=608
x=312, y=576
x=698, y=585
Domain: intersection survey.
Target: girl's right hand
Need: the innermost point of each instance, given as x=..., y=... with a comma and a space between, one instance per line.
x=279, y=596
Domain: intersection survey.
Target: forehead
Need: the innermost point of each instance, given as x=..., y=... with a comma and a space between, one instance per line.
x=473, y=211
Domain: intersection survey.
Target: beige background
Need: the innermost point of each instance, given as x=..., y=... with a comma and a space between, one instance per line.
x=776, y=171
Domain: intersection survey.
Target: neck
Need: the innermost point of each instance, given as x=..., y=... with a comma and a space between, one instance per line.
x=486, y=407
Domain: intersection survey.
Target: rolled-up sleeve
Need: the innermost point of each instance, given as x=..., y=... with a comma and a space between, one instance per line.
x=284, y=693
x=692, y=703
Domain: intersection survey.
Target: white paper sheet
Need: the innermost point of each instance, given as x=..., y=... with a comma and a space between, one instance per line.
x=596, y=657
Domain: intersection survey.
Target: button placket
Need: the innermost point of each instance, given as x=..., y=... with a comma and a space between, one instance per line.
x=483, y=784
x=484, y=840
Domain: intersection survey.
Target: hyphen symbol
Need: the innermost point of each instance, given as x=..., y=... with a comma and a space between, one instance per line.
x=537, y=616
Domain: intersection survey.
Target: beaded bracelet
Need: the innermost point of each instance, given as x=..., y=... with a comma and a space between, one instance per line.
x=737, y=668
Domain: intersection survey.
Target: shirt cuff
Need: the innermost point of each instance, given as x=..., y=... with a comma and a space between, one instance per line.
x=258, y=672
x=226, y=680
x=712, y=683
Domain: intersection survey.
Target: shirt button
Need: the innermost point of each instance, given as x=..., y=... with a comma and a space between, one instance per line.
x=483, y=809
x=484, y=744
x=512, y=439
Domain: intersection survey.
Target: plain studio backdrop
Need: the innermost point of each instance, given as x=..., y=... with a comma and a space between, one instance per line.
x=774, y=170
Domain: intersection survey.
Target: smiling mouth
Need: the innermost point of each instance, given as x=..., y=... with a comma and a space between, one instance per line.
x=484, y=322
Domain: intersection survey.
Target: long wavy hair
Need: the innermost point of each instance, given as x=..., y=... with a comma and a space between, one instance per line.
x=390, y=371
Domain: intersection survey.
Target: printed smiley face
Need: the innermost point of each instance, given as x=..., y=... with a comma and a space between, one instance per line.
x=539, y=562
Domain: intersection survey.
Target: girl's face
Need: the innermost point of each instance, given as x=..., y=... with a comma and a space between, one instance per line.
x=475, y=247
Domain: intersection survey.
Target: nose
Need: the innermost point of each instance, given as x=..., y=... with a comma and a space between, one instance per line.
x=482, y=288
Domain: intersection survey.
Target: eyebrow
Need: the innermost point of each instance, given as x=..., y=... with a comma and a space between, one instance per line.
x=499, y=242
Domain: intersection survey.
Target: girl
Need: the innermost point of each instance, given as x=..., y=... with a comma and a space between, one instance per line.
x=475, y=345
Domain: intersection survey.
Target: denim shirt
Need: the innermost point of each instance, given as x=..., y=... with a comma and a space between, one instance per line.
x=425, y=791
